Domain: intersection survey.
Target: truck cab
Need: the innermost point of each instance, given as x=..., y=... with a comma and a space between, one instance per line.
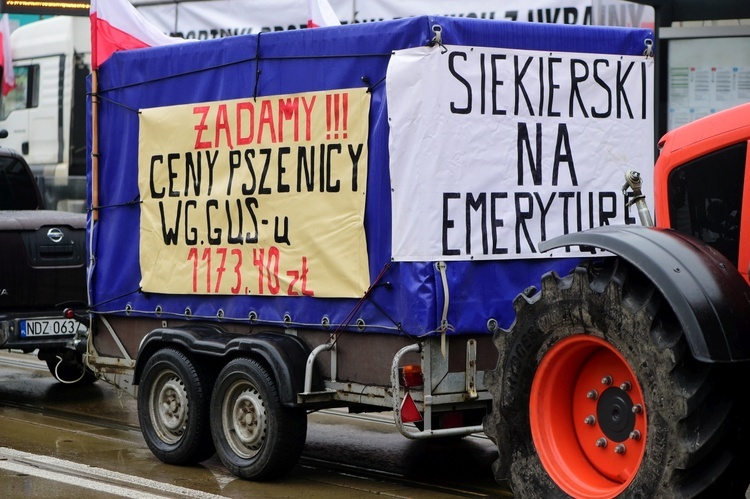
x=700, y=178
x=45, y=113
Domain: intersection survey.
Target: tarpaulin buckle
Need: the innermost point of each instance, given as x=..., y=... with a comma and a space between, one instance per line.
x=649, y=43
x=438, y=38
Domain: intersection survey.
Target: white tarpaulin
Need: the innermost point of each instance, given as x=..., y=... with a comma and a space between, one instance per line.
x=494, y=150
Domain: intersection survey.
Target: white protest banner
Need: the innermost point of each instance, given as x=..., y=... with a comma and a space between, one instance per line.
x=494, y=150
x=622, y=13
x=205, y=19
x=543, y=11
x=208, y=19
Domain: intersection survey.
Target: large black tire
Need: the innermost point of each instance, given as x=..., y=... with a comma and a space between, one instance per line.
x=255, y=436
x=173, y=408
x=682, y=438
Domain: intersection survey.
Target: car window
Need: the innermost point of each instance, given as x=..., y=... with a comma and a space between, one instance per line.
x=17, y=187
x=705, y=198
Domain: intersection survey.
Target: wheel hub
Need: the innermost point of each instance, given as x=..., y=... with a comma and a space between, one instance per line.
x=249, y=427
x=169, y=407
x=615, y=415
x=173, y=411
x=586, y=405
x=244, y=419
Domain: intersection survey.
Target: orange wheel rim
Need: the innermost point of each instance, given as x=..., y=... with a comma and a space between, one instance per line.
x=588, y=417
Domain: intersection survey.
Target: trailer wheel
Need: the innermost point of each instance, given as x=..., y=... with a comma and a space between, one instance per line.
x=173, y=398
x=255, y=436
x=596, y=394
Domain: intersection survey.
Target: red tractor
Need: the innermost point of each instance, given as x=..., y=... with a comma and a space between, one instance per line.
x=625, y=376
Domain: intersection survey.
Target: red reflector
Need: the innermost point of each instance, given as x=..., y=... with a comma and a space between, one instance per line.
x=453, y=419
x=69, y=313
x=409, y=411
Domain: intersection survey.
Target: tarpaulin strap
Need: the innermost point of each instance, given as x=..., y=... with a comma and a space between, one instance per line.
x=444, y=325
x=114, y=102
x=347, y=320
x=370, y=87
x=97, y=305
x=133, y=202
x=257, y=69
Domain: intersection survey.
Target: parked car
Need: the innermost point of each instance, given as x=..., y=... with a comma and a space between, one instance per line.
x=42, y=271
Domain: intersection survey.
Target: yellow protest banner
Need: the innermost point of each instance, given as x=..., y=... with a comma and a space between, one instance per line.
x=258, y=196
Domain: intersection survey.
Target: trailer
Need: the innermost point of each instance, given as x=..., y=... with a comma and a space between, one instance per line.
x=358, y=217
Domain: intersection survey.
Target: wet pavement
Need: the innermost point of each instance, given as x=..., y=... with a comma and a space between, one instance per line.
x=50, y=446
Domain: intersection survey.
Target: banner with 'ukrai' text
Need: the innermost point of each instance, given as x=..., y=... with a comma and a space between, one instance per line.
x=494, y=150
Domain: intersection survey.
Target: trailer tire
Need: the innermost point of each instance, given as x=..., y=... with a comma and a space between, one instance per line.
x=596, y=394
x=173, y=398
x=255, y=436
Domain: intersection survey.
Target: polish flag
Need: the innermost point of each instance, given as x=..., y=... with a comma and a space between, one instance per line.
x=117, y=25
x=6, y=58
x=320, y=13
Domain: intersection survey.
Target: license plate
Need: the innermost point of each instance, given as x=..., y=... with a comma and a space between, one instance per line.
x=49, y=327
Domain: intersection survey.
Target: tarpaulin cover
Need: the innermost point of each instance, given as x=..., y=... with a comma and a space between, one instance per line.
x=407, y=297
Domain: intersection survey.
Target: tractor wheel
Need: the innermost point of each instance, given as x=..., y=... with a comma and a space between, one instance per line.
x=255, y=436
x=173, y=398
x=597, y=395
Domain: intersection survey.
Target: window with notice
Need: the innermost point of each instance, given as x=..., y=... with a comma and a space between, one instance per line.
x=706, y=75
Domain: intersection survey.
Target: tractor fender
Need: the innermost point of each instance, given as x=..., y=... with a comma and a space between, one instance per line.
x=706, y=292
x=285, y=355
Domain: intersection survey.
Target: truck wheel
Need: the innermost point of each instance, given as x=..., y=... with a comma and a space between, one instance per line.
x=173, y=398
x=596, y=394
x=255, y=436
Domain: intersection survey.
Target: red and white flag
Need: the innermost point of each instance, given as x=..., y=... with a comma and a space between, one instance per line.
x=117, y=25
x=6, y=57
x=320, y=13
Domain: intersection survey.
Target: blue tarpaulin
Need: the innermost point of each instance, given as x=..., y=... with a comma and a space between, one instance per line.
x=408, y=297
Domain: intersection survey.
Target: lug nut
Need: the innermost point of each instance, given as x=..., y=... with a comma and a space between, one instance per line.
x=602, y=442
x=637, y=409
x=625, y=386
x=590, y=420
x=635, y=435
x=607, y=380
x=620, y=449
x=592, y=394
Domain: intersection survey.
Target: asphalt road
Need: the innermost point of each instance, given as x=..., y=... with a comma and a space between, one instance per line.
x=62, y=441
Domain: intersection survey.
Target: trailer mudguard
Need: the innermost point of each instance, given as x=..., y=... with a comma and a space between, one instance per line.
x=709, y=297
x=285, y=355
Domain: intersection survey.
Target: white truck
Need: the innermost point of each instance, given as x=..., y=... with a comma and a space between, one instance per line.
x=45, y=115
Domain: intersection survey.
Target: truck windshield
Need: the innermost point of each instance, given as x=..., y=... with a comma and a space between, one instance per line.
x=17, y=187
x=24, y=94
x=705, y=198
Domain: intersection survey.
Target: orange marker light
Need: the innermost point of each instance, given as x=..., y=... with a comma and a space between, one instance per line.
x=411, y=375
